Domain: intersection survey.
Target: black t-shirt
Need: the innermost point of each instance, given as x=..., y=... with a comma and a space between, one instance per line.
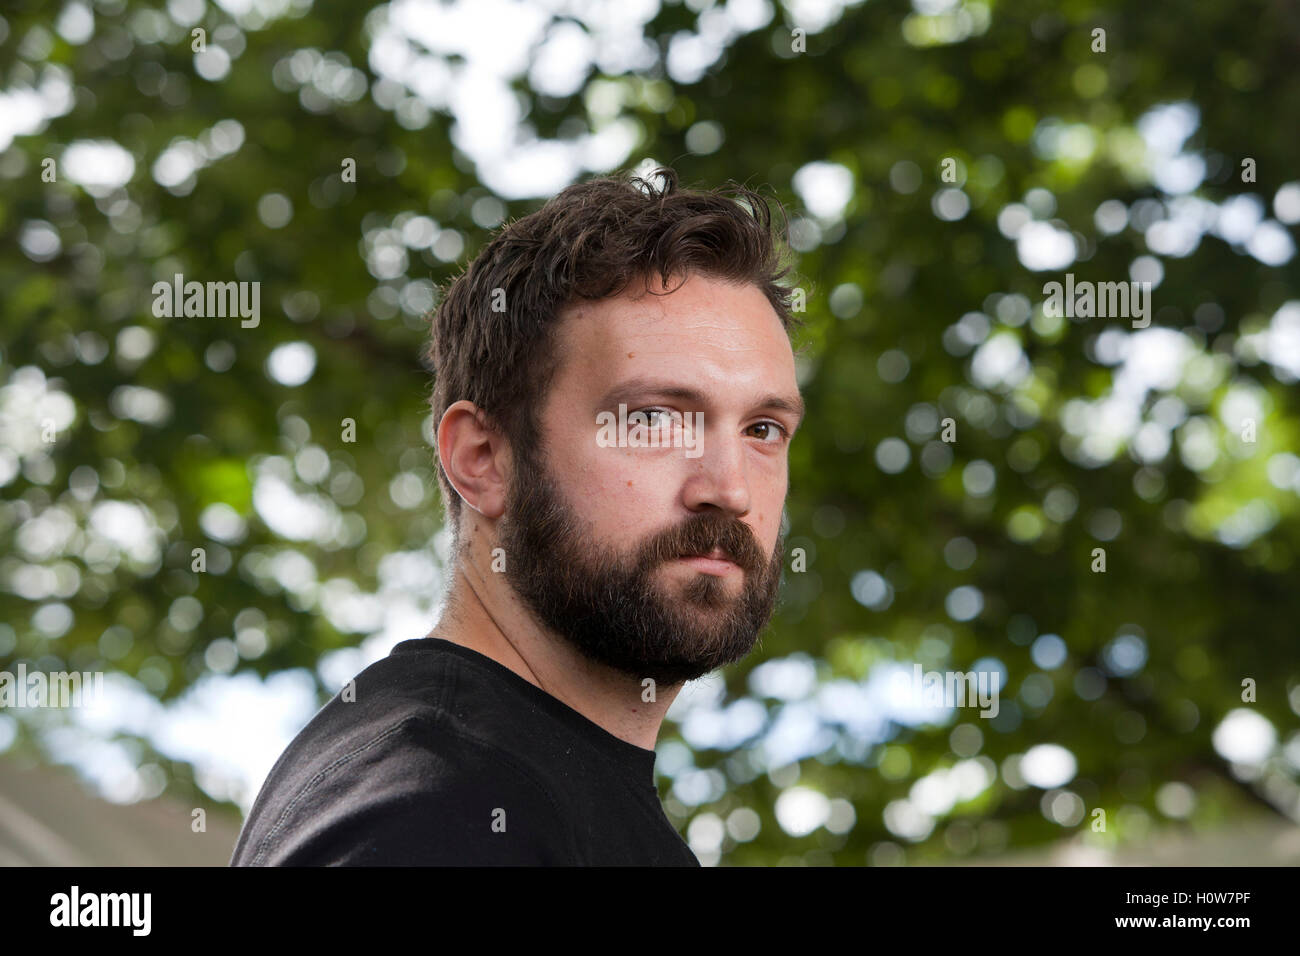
x=447, y=758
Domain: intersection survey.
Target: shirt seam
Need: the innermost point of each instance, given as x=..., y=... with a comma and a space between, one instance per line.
x=320, y=775
x=263, y=845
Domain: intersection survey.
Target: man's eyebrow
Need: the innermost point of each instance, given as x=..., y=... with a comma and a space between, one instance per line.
x=635, y=387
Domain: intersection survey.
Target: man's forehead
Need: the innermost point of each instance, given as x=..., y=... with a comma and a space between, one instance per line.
x=704, y=318
x=701, y=350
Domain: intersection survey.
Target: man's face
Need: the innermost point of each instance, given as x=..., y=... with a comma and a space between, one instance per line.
x=595, y=536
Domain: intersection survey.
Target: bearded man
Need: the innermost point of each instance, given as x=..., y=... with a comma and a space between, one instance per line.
x=591, y=579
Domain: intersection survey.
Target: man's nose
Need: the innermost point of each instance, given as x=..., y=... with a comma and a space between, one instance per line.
x=719, y=478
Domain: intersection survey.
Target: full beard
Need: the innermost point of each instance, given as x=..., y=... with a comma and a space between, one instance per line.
x=608, y=605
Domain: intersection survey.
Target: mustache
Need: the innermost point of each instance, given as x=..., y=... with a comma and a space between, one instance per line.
x=703, y=534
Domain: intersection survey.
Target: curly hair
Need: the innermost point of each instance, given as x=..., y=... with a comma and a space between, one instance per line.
x=492, y=339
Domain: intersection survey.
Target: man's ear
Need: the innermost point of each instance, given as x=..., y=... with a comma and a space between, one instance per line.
x=475, y=456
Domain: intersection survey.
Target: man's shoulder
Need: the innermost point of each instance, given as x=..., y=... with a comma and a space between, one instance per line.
x=413, y=704
x=406, y=765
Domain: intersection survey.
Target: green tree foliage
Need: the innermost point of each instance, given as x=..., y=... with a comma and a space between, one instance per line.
x=954, y=124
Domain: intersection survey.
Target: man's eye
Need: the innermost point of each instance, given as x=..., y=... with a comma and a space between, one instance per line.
x=774, y=432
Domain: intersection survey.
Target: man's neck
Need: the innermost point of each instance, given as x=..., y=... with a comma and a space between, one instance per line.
x=486, y=617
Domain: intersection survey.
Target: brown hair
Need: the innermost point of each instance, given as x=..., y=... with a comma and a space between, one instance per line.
x=588, y=242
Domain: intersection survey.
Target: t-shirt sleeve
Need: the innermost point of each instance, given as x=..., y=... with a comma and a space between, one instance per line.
x=419, y=794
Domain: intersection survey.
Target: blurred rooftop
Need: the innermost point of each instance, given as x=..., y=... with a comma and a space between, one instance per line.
x=49, y=818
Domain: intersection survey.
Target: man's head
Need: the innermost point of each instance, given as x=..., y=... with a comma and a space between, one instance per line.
x=617, y=294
